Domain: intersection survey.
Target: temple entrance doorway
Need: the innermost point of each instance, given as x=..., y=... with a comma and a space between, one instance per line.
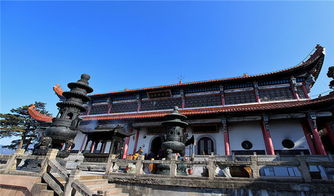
x=205, y=146
x=156, y=145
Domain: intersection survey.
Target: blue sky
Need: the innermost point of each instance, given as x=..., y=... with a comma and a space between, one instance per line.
x=141, y=44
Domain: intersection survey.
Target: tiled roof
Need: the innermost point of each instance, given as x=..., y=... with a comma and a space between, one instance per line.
x=37, y=115
x=317, y=54
x=329, y=99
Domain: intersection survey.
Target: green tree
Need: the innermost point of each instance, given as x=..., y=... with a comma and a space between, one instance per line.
x=19, y=123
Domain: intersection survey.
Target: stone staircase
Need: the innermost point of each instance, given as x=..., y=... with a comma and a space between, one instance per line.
x=41, y=189
x=102, y=186
x=96, y=183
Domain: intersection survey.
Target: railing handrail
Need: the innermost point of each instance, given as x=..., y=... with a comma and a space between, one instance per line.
x=293, y=160
x=255, y=162
x=5, y=156
x=60, y=169
x=53, y=183
x=29, y=156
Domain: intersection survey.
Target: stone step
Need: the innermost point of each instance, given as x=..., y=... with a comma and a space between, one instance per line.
x=94, y=182
x=46, y=193
x=101, y=187
x=113, y=191
x=40, y=186
x=91, y=177
x=118, y=194
x=93, y=163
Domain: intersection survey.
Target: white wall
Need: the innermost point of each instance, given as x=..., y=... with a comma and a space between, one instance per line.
x=145, y=143
x=144, y=140
x=242, y=131
x=287, y=129
x=217, y=138
x=238, y=132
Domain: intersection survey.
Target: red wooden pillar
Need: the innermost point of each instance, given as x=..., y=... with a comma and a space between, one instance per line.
x=136, y=142
x=126, y=144
x=226, y=137
x=305, y=91
x=294, y=88
x=126, y=147
x=256, y=91
x=308, y=137
x=317, y=140
x=330, y=133
x=92, y=148
x=227, y=143
x=222, y=95
x=267, y=137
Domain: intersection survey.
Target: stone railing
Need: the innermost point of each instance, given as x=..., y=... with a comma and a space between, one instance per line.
x=17, y=163
x=303, y=168
x=4, y=160
x=62, y=181
x=56, y=176
x=199, y=171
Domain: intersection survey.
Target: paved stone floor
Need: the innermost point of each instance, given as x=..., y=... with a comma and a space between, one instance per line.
x=14, y=185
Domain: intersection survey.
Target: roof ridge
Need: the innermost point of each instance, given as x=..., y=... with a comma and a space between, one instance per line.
x=37, y=115
x=318, y=50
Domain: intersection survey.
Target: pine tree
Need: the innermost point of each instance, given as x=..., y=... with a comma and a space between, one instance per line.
x=19, y=123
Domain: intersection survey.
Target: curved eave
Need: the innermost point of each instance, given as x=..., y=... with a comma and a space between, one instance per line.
x=38, y=116
x=312, y=66
x=327, y=101
x=58, y=91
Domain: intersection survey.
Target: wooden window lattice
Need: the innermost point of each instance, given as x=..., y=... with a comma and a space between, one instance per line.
x=240, y=97
x=99, y=109
x=275, y=94
x=203, y=100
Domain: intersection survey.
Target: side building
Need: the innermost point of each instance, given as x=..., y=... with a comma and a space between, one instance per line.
x=268, y=113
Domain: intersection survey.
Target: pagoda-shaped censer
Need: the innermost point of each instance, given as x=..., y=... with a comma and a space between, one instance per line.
x=65, y=126
x=175, y=137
